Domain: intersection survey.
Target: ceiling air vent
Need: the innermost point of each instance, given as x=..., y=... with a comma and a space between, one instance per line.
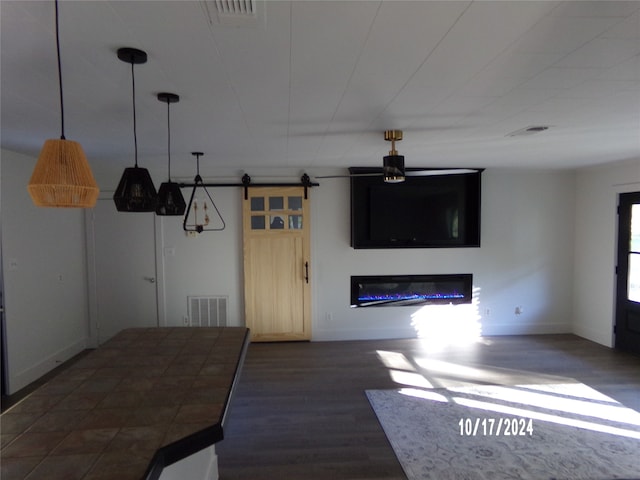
x=531, y=130
x=235, y=13
x=234, y=7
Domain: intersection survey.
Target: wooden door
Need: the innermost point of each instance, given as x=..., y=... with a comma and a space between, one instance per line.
x=627, y=329
x=124, y=258
x=276, y=264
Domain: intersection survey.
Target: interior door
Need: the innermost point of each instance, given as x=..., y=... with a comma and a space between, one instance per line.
x=276, y=264
x=125, y=269
x=627, y=330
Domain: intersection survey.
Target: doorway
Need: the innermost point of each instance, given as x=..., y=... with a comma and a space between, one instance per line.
x=627, y=328
x=276, y=241
x=124, y=261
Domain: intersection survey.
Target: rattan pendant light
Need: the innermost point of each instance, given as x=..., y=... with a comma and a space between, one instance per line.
x=62, y=176
x=135, y=192
x=170, y=199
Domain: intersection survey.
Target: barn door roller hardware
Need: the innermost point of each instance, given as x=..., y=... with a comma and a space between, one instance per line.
x=305, y=181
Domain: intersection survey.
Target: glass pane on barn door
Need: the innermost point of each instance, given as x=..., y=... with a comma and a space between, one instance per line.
x=258, y=222
x=257, y=204
x=276, y=203
x=295, y=203
x=295, y=222
x=276, y=222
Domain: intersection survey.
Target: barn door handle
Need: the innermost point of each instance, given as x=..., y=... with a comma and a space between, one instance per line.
x=306, y=272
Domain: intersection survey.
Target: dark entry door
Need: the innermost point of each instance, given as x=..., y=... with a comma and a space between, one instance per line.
x=628, y=284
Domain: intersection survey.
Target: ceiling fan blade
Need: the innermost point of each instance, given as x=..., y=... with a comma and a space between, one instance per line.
x=439, y=171
x=349, y=175
x=427, y=172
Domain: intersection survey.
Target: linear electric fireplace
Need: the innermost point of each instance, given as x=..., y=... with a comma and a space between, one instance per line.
x=411, y=290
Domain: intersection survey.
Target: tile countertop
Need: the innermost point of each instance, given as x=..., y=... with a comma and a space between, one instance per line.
x=144, y=399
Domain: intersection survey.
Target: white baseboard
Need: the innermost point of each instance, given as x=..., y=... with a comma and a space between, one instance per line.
x=392, y=333
x=25, y=377
x=525, y=329
x=598, y=336
x=357, y=334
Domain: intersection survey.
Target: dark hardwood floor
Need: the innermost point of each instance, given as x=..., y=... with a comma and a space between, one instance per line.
x=300, y=410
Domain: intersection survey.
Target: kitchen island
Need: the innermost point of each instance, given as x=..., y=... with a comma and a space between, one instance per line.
x=138, y=407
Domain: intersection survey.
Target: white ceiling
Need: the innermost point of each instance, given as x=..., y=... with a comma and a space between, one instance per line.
x=310, y=84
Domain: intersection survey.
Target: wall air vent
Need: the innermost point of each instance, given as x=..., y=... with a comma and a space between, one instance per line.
x=234, y=13
x=209, y=311
x=531, y=130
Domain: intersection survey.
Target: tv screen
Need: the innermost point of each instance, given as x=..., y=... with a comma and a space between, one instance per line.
x=424, y=211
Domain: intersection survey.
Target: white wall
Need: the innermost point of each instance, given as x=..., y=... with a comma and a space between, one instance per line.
x=597, y=190
x=208, y=264
x=525, y=259
x=44, y=271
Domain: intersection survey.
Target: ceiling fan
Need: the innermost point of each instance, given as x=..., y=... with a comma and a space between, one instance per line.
x=393, y=170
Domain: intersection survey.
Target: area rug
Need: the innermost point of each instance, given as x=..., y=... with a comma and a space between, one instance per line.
x=560, y=432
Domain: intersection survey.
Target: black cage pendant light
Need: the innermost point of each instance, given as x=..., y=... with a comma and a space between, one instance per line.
x=197, y=218
x=170, y=199
x=135, y=192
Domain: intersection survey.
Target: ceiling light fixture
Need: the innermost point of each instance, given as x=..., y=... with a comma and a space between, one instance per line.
x=62, y=176
x=197, y=218
x=393, y=164
x=170, y=199
x=135, y=192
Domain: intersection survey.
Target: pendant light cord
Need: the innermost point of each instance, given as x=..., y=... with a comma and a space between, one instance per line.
x=135, y=132
x=169, y=138
x=62, y=137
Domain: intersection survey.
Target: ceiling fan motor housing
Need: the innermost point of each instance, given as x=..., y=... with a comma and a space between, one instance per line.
x=393, y=168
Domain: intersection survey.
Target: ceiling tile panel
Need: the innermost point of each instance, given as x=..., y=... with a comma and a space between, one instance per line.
x=563, y=35
x=602, y=53
x=314, y=83
x=484, y=32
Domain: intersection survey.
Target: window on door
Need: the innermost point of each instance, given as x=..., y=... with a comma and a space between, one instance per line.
x=276, y=213
x=633, y=275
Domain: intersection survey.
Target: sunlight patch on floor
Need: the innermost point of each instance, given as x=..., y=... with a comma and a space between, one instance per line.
x=425, y=394
x=584, y=407
x=545, y=417
x=539, y=397
x=440, y=326
x=395, y=360
x=410, y=379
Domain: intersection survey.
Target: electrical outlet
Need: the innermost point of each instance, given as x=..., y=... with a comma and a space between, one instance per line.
x=185, y=320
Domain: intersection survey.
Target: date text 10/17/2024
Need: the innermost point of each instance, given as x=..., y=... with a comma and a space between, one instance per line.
x=493, y=427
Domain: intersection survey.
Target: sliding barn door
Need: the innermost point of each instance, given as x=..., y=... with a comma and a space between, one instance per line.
x=276, y=264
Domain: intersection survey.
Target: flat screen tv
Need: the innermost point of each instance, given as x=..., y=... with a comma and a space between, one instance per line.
x=437, y=211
